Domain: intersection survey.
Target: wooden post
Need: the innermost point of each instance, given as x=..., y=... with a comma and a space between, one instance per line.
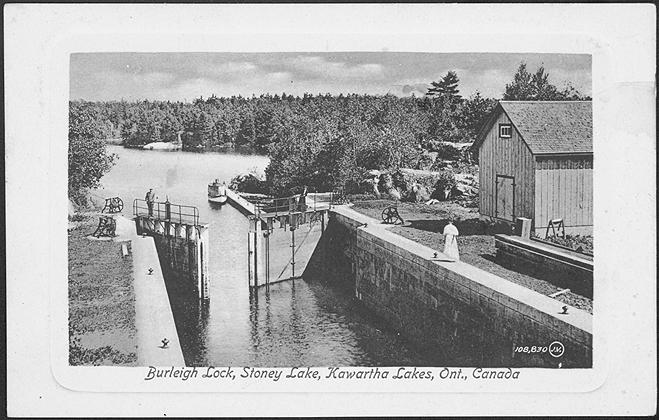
x=292, y=252
x=267, y=257
x=250, y=252
x=524, y=227
x=257, y=234
x=168, y=210
x=201, y=258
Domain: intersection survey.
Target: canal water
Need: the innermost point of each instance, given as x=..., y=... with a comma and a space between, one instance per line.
x=305, y=322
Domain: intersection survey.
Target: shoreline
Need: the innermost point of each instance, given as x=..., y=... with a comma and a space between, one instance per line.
x=218, y=150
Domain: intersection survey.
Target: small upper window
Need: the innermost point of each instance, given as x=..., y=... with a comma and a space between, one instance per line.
x=505, y=130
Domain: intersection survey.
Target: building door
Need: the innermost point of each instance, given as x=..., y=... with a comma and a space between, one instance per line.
x=505, y=197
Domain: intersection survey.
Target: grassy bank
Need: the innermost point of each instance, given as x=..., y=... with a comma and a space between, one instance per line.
x=425, y=223
x=101, y=299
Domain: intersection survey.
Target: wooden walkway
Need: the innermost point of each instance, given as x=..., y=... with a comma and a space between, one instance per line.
x=274, y=207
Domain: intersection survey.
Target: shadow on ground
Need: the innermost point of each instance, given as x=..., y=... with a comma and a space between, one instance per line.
x=466, y=227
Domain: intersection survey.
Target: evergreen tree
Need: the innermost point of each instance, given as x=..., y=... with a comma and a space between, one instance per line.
x=203, y=129
x=247, y=131
x=446, y=87
x=521, y=88
x=542, y=89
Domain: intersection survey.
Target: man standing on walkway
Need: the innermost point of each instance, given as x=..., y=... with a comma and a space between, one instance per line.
x=302, y=200
x=150, y=198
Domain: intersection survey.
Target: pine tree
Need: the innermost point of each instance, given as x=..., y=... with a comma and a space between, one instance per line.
x=203, y=130
x=521, y=87
x=446, y=87
x=542, y=89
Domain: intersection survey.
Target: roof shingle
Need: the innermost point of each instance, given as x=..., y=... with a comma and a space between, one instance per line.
x=553, y=126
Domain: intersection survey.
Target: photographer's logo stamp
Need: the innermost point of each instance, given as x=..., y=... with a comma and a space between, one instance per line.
x=556, y=349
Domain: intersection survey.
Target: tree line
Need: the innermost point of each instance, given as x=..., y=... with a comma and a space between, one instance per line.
x=253, y=124
x=323, y=141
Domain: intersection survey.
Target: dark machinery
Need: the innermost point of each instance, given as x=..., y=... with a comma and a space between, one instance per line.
x=557, y=228
x=107, y=227
x=391, y=216
x=113, y=205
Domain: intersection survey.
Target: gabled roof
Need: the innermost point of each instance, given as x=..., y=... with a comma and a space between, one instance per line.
x=547, y=127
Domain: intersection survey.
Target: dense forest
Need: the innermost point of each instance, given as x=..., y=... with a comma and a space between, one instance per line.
x=256, y=123
x=324, y=141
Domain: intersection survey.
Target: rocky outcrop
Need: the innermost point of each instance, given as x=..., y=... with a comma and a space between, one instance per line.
x=466, y=184
x=416, y=185
x=420, y=186
x=372, y=180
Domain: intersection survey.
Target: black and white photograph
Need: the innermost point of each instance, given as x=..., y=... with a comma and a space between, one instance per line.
x=331, y=209
x=226, y=210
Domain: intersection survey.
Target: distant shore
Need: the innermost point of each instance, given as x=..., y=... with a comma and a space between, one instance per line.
x=214, y=149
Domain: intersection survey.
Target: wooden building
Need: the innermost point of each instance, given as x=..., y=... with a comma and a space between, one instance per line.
x=536, y=161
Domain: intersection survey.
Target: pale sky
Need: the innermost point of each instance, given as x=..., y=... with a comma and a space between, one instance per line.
x=185, y=76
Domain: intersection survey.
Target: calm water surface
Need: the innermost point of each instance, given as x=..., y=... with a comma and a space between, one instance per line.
x=296, y=323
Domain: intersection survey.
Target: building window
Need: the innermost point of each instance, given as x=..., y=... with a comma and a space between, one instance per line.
x=505, y=130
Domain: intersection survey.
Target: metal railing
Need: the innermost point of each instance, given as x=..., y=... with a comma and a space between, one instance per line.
x=164, y=210
x=294, y=204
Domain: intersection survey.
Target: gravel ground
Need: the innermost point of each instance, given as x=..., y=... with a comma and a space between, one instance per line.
x=425, y=222
x=101, y=300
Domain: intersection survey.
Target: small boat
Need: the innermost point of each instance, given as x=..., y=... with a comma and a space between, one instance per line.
x=161, y=145
x=217, y=192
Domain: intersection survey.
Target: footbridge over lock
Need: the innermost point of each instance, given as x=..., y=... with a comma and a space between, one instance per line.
x=181, y=240
x=283, y=234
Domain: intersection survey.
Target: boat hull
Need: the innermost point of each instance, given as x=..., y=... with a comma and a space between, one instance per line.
x=218, y=200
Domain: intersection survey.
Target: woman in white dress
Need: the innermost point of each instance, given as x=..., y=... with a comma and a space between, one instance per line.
x=451, y=241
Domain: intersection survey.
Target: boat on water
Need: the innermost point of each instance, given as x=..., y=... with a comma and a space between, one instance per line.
x=217, y=192
x=161, y=145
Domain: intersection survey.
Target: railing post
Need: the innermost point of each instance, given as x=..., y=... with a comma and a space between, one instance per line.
x=292, y=252
x=168, y=210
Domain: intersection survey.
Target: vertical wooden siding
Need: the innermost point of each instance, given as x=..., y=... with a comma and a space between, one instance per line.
x=506, y=156
x=564, y=189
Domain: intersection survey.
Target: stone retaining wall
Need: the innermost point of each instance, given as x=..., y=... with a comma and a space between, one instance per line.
x=182, y=248
x=473, y=317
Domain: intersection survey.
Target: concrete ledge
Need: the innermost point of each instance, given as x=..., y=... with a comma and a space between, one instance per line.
x=154, y=317
x=240, y=203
